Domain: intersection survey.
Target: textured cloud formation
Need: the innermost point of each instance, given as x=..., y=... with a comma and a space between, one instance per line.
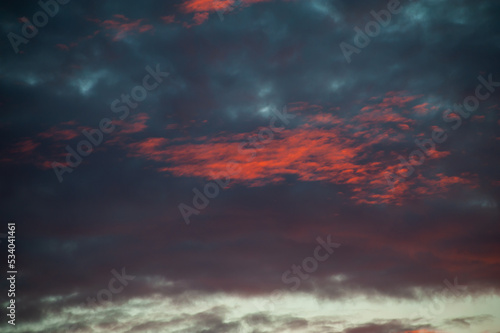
x=419, y=252
x=322, y=147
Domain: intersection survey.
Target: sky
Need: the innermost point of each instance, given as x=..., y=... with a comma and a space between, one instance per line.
x=301, y=166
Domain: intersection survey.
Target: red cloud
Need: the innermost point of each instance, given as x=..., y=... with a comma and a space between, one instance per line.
x=138, y=124
x=24, y=147
x=57, y=134
x=422, y=108
x=324, y=148
x=199, y=18
x=191, y=6
x=168, y=19
x=122, y=26
x=202, y=8
x=384, y=111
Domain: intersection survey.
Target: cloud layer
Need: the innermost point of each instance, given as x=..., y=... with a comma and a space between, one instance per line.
x=356, y=159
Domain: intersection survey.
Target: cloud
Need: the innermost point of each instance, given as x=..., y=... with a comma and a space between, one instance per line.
x=322, y=147
x=123, y=26
x=322, y=175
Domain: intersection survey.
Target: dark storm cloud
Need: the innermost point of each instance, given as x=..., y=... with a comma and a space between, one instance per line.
x=467, y=321
x=116, y=210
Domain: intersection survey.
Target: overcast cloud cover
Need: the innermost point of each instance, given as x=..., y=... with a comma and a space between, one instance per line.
x=358, y=195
